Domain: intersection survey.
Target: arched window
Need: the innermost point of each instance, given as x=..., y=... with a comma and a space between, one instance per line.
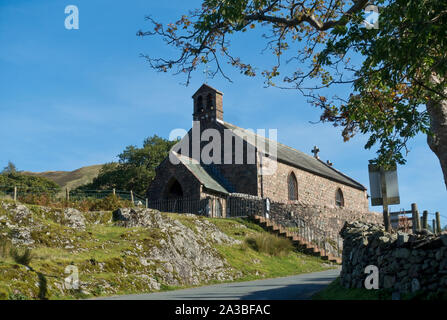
x=209, y=101
x=292, y=186
x=199, y=103
x=339, y=199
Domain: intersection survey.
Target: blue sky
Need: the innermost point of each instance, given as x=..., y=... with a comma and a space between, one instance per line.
x=71, y=98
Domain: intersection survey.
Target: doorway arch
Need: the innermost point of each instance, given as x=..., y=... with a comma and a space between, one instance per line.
x=173, y=189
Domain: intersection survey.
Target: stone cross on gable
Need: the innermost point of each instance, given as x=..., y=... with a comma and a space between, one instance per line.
x=315, y=151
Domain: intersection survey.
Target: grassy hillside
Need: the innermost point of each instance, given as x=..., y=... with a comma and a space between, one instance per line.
x=170, y=251
x=70, y=179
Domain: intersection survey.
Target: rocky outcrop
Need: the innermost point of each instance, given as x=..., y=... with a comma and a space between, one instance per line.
x=184, y=254
x=20, y=218
x=74, y=219
x=129, y=217
x=19, y=213
x=406, y=262
x=150, y=250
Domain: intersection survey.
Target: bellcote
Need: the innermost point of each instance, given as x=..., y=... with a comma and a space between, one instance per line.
x=208, y=104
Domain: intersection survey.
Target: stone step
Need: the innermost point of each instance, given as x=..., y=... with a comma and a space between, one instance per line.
x=297, y=241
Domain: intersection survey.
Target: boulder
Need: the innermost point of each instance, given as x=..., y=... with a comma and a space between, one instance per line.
x=20, y=213
x=21, y=236
x=136, y=217
x=74, y=219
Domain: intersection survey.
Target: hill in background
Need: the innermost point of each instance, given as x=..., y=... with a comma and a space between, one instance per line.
x=70, y=179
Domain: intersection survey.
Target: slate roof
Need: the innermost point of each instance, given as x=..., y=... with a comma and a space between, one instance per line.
x=200, y=173
x=294, y=157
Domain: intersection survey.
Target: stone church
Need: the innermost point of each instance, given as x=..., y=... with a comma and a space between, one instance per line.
x=293, y=176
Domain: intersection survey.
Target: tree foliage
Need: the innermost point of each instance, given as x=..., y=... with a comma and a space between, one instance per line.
x=33, y=184
x=28, y=183
x=10, y=168
x=394, y=74
x=135, y=168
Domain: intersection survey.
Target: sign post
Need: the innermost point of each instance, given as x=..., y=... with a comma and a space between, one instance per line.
x=384, y=190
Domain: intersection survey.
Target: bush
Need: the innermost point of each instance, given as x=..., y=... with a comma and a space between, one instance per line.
x=21, y=258
x=27, y=184
x=110, y=203
x=270, y=244
x=37, y=199
x=4, y=293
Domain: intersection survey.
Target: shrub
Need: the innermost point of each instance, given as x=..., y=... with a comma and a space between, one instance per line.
x=4, y=293
x=37, y=199
x=110, y=203
x=270, y=244
x=21, y=258
x=27, y=183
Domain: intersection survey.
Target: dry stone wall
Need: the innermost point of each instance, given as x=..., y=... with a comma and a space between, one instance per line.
x=407, y=263
x=327, y=218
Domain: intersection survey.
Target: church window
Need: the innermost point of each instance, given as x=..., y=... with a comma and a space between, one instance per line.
x=339, y=199
x=209, y=101
x=292, y=186
x=200, y=103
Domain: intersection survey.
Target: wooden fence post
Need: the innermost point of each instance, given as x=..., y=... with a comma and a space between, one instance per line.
x=386, y=218
x=438, y=222
x=67, y=194
x=15, y=193
x=415, y=217
x=434, y=226
x=114, y=193
x=131, y=196
x=425, y=219
x=147, y=203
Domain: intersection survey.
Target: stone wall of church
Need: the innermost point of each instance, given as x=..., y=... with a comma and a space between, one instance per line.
x=312, y=189
x=241, y=176
x=168, y=171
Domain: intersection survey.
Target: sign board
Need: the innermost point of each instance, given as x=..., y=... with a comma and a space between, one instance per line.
x=383, y=183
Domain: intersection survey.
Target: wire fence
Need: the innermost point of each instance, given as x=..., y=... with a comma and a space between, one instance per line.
x=27, y=194
x=417, y=221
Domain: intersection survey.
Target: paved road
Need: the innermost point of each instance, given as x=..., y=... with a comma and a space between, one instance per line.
x=299, y=287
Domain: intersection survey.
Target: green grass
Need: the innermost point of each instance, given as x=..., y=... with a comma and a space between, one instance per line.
x=257, y=265
x=335, y=291
x=269, y=244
